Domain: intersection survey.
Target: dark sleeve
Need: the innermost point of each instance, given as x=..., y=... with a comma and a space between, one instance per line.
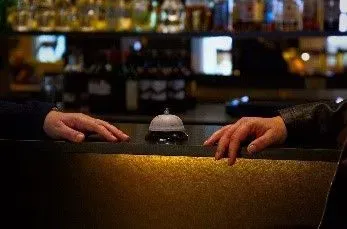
x=316, y=123
x=23, y=121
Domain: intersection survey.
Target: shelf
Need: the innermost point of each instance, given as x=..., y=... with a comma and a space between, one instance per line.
x=25, y=87
x=237, y=35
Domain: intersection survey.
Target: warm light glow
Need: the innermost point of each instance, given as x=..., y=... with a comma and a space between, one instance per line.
x=305, y=56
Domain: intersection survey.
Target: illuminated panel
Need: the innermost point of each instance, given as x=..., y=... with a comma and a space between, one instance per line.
x=49, y=48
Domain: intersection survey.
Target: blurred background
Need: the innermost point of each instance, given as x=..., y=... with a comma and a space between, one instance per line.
x=128, y=59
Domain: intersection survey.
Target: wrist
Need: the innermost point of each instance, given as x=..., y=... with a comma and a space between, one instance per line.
x=280, y=123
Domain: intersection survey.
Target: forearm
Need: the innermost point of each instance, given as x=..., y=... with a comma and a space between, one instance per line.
x=316, y=122
x=23, y=121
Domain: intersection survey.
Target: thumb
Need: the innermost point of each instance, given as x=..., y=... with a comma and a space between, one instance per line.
x=70, y=134
x=261, y=143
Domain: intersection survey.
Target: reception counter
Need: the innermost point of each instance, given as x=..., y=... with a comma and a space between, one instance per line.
x=141, y=185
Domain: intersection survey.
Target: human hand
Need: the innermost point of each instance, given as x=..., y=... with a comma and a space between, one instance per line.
x=264, y=131
x=73, y=126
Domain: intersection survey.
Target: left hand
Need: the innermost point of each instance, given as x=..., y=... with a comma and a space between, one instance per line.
x=73, y=126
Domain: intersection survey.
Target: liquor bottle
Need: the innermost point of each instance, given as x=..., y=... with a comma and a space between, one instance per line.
x=278, y=14
x=251, y=14
x=64, y=15
x=44, y=14
x=311, y=15
x=221, y=15
x=339, y=68
x=292, y=15
x=331, y=15
x=100, y=11
x=131, y=91
x=196, y=11
x=21, y=16
x=269, y=16
x=111, y=14
x=87, y=15
x=140, y=14
x=159, y=83
x=236, y=19
x=172, y=17
x=154, y=15
x=176, y=83
x=123, y=18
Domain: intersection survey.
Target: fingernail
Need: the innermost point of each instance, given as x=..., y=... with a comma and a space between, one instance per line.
x=251, y=149
x=80, y=137
x=217, y=156
x=231, y=162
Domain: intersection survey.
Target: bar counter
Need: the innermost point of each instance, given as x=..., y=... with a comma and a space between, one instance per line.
x=56, y=184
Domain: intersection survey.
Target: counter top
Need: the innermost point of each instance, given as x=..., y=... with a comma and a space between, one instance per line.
x=193, y=147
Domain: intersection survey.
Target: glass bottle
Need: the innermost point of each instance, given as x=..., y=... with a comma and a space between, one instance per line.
x=21, y=17
x=100, y=12
x=269, y=16
x=236, y=19
x=64, y=15
x=87, y=15
x=172, y=17
x=196, y=11
x=251, y=14
x=123, y=16
x=140, y=14
x=311, y=15
x=278, y=14
x=154, y=15
x=221, y=15
x=44, y=14
x=292, y=15
x=112, y=13
x=331, y=15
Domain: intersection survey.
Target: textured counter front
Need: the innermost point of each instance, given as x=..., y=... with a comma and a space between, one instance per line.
x=103, y=185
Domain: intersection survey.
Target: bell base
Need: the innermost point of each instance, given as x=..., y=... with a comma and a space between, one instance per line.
x=169, y=137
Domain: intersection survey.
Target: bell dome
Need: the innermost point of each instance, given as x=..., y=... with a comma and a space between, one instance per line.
x=167, y=123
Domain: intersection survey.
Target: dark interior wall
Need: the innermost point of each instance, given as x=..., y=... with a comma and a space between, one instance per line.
x=4, y=80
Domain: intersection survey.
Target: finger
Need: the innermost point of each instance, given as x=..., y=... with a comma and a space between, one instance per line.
x=224, y=142
x=89, y=124
x=236, y=139
x=65, y=132
x=261, y=143
x=114, y=130
x=216, y=136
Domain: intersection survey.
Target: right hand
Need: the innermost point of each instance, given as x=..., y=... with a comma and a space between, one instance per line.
x=264, y=131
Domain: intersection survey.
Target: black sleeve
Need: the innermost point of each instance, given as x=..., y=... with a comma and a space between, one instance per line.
x=23, y=121
x=317, y=123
